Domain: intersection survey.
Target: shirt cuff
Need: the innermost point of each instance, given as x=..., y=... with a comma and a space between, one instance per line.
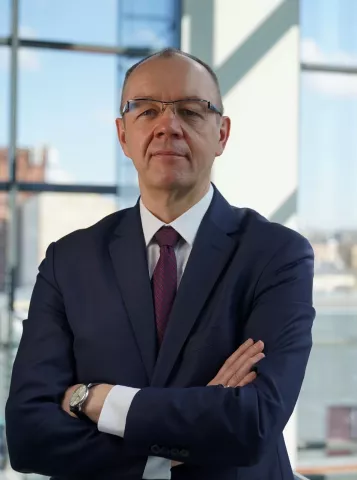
x=115, y=410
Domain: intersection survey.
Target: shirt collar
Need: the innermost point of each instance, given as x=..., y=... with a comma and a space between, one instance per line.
x=186, y=225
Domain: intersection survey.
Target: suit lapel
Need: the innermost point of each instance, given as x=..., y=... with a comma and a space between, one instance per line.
x=212, y=250
x=128, y=254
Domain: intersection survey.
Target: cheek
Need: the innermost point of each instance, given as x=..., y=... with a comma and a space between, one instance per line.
x=203, y=143
x=136, y=145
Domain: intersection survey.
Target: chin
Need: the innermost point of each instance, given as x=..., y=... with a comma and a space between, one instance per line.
x=171, y=183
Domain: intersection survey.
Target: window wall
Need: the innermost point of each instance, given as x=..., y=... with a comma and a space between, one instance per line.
x=61, y=168
x=62, y=64
x=327, y=412
x=157, y=24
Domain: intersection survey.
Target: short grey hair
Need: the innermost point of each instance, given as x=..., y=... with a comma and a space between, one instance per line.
x=170, y=53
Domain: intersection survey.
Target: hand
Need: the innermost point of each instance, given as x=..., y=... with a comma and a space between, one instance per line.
x=94, y=403
x=236, y=370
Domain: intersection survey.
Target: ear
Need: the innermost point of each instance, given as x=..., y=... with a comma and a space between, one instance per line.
x=224, y=131
x=119, y=122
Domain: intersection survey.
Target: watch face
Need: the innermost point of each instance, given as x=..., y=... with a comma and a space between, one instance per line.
x=78, y=395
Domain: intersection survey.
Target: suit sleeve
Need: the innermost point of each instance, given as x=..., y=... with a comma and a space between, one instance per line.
x=41, y=437
x=236, y=426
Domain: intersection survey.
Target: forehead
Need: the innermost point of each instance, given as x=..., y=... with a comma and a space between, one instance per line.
x=171, y=79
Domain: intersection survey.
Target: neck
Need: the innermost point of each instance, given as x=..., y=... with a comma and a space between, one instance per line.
x=167, y=206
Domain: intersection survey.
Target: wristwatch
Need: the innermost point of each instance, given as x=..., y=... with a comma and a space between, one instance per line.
x=79, y=396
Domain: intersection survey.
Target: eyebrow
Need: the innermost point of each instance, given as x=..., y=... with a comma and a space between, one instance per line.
x=150, y=97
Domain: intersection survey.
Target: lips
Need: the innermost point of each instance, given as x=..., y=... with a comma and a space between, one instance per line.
x=172, y=153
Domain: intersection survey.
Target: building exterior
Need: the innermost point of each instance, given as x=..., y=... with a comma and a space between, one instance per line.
x=266, y=55
x=47, y=217
x=31, y=167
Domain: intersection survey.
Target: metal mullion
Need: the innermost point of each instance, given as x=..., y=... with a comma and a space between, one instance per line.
x=178, y=21
x=324, y=68
x=12, y=235
x=67, y=188
x=30, y=187
x=78, y=47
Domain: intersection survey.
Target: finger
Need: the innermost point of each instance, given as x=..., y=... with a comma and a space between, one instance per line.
x=247, y=379
x=234, y=363
x=233, y=376
x=240, y=351
x=242, y=354
x=218, y=378
x=244, y=360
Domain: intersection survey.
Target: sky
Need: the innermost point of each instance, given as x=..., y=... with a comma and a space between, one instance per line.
x=69, y=101
x=328, y=140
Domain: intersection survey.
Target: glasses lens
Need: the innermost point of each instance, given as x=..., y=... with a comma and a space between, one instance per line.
x=192, y=110
x=145, y=107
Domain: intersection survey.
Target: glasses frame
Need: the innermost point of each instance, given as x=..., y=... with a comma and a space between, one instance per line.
x=210, y=105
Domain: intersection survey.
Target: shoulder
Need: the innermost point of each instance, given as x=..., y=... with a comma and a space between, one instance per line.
x=265, y=234
x=93, y=237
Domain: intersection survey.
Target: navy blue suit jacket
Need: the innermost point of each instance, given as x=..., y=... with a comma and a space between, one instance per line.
x=91, y=319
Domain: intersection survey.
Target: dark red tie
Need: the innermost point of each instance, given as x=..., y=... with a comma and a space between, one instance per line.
x=164, y=279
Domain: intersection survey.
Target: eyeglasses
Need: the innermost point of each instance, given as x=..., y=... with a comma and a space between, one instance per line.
x=188, y=110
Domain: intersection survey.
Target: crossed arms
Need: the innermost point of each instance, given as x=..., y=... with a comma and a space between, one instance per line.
x=228, y=426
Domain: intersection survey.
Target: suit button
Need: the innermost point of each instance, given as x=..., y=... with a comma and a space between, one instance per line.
x=184, y=453
x=155, y=449
x=165, y=451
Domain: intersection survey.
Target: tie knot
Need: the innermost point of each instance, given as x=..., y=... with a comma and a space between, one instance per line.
x=167, y=236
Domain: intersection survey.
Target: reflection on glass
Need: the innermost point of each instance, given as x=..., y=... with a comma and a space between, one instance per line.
x=148, y=24
x=45, y=218
x=4, y=18
x=328, y=31
x=153, y=25
x=327, y=409
x=77, y=21
x=4, y=110
x=68, y=105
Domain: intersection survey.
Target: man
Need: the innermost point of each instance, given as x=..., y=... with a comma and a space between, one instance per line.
x=161, y=306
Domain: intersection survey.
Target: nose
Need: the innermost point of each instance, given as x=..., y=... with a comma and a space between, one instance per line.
x=168, y=124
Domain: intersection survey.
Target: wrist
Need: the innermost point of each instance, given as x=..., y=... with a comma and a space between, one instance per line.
x=94, y=403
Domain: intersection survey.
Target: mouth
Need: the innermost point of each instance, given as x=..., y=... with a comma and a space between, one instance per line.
x=167, y=153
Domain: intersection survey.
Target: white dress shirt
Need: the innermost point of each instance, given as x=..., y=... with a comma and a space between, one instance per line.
x=117, y=404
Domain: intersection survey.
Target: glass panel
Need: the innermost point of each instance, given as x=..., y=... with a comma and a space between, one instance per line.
x=77, y=21
x=144, y=24
x=157, y=9
x=47, y=217
x=153, y=25
x=3, y=323
x=329, y=31
x=67, y=109
x=328, y=193
x=4, y=17
x=4, y=112
x=327, y=408
x=4, y=139
x=43, y=218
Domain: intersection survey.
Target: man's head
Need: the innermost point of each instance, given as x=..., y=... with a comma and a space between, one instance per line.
x=172, y=145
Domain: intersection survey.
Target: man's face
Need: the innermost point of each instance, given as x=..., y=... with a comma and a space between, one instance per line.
x=172, y=150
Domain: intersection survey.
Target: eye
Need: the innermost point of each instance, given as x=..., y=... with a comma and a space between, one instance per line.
x=151, y=112
x=189, y=113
